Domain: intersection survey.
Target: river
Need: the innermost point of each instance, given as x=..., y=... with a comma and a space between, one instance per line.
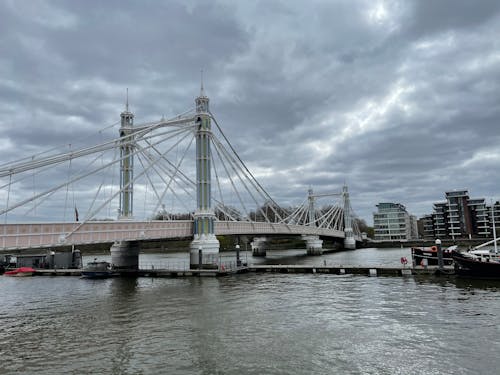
x=252, y=323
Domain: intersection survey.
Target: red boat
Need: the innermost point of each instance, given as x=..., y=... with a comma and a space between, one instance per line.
x=22, y=271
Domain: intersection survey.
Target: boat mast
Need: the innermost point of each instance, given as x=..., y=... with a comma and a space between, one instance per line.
x=494, y=229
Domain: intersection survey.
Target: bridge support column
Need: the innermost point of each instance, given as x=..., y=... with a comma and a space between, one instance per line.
x=349, y=241
x=206, y=249
x=313, y=244
x=258, y=246
x=205, y=246
x=125, y=255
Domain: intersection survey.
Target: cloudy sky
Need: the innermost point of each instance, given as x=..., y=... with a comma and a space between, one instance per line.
x=398, y=99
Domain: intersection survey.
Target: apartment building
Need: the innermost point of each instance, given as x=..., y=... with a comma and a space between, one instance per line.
x=460, y=216
x=392, y=222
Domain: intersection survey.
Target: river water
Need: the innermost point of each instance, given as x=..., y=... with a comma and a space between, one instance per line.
x=252, y=323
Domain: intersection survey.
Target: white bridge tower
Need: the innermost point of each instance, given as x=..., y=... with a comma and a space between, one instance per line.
x=349, y=240
x=205, y=246
x=125, y=254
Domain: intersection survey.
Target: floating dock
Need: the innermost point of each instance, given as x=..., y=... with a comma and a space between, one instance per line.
x=371, y=270
x=351, y=270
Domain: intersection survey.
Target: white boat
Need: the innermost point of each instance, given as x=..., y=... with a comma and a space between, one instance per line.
x=97, y=270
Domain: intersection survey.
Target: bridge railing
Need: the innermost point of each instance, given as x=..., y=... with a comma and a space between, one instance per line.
x=245, y=227
x=180, y=265
x=176, y=265
x=37, y=235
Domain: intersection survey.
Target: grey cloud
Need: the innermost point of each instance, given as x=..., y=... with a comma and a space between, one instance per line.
x=284, y=78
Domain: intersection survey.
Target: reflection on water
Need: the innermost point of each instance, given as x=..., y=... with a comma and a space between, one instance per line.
x=252, y=323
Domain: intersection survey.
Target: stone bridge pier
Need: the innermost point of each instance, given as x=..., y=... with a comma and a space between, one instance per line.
x=125, y=255
x=314, y=244
x=259, y=246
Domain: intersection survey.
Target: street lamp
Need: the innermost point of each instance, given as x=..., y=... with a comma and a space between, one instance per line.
x=440, y=255
x=238, y=261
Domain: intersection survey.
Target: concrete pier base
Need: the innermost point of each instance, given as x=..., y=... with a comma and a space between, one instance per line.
x=349, y=243
x=125, y=255
x=259, y=246
x=313, y=244
x=204, y=252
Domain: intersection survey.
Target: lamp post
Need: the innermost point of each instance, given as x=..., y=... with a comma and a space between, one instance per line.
x=440, y=255
x=238, y=261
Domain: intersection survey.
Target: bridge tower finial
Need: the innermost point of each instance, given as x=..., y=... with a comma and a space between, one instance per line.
x=126, y=105
x=202, y=91
x=202, y=100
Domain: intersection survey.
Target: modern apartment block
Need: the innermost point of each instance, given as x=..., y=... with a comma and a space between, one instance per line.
x=392, y=222
x=460, y=216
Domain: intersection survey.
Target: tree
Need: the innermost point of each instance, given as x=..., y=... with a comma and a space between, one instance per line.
x=227, y=213
x=363, y=227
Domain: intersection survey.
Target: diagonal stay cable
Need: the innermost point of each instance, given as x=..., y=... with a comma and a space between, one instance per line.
x=219, y=146
x=118, y=192
x=241, y=161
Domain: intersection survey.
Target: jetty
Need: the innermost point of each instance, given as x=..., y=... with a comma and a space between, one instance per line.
x=367, y=270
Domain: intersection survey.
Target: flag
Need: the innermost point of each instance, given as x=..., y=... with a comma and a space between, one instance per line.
x=76, y=214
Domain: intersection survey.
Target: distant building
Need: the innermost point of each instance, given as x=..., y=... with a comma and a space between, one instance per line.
x=413, y=227
x=426, y=227
x=392, y=222
x=460, y=216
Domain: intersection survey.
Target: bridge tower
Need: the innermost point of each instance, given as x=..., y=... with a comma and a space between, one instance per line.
x=125, y=254
x=205, y=246
x=349, y=241
x=313, y=243
x=126, y=164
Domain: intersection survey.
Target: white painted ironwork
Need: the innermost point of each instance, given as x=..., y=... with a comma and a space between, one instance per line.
x=142, y=143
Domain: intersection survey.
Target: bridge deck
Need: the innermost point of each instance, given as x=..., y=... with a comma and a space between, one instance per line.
x=37, y=235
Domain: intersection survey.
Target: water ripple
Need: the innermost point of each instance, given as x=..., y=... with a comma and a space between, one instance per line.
x=248, y=324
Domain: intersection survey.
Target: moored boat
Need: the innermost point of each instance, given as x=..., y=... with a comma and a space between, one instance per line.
x=21, y=271
x=471, y=265
x=484, y=255
x=479, y=262
x=428, y=256
x=97, y=270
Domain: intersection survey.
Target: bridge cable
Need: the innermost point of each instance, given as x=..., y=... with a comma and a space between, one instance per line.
x=221, y=205
x=31, y=157
x=140, y=157
x=119, y=191
x=67, y=188
x=241, y=161
x=75, y=179
x=217, y=144
x=158, y=167
x=168, y=173
x=176, y=169
x=231, y=180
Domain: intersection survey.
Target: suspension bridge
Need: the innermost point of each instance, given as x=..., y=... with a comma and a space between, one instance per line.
x=148, y=166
